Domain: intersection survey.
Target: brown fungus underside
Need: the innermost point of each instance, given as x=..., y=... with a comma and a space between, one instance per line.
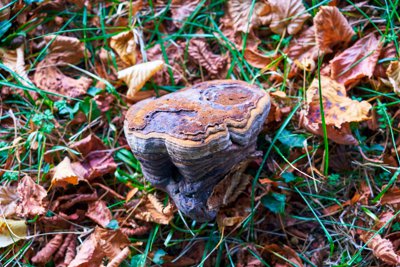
x=189, y=140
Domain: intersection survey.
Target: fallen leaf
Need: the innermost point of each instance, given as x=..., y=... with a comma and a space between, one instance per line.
x=282, y=255
x=96, y=164
x=101, y=243
x=117, y=260
x=8, y=200
x=136, y=76
x=392, y=196
x=393, y=73
x=382, y=248
x=230, y=187
x=331, y=29
x=256, y=59
x=152, y=210
x=32, y=196
x=125, y=45
x=243, y=20
x=357, y=61
x=287, y=16
x=302, y=48
x=62, y=51
x=63, y=174
x=88, y=144
x=99, y=213
x=200, y=52
x=15, y=61
x=181, y=10
x=339, y=110
x=45, y=254
x=11, y=231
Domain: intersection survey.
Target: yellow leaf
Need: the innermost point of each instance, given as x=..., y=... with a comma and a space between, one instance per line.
x=63, y=174
x=14, y=60
x=136, y=76
x=124, y=44
x=338, y=108
x=393, y=73
x=11, y=231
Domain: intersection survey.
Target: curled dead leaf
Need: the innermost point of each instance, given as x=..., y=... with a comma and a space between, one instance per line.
x=63, y=174
x=44, y=255
x=382, y=248
x=331, y=29
x=100, y=244
x=303, y=49
x=136, y=76
x=15, y=61
x=199, y=51
x=11, y=231
x=393, y=73
x=99, y=213
x=32, y=196
x=152, y=210
x=357, y=61
x=287, y=16
x=256, y=59
x=8, y=200
x=124, y=44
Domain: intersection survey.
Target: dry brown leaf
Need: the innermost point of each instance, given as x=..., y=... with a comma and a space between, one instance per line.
x=44, y=255
x=88, y=144
x=229, y=188
x=357, y=61
x=331, y=29
x=392, y=196
x=117, y=261
x=62, y=51
x=136, y=76
x=152, y=210
x=63, y=174
x=15, y=61
x=239, y=11
x=393, y=73
x=99, y=213
x=124, y=44
x=287, y=16
x=382, y=248
x=287, y=255
x=200, y=52
x=8, y=201
x=303, y=49
x=89, y=254
x=32, y=196
x=339, y=110
x=256, y=59
x=101, y=243
x=96, y=164
x=181, y=10
x=11, y=231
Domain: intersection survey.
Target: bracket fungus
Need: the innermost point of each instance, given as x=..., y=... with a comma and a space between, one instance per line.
x=189, y=140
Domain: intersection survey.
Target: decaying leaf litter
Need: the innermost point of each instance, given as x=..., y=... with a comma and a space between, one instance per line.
x=325, y=193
